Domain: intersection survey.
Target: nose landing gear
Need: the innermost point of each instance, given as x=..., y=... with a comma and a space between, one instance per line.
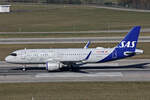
x=24, y=68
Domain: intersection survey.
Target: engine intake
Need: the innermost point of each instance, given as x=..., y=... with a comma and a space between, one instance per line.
x=50, y=66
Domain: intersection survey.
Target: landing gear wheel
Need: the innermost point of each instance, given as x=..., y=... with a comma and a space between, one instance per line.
x=74, y=68
x=24, y=68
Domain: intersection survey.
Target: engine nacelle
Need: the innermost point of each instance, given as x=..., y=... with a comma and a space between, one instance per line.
x=51, y=66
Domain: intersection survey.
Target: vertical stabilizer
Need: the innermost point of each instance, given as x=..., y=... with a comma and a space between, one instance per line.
x=130, y=41
x=127, y=47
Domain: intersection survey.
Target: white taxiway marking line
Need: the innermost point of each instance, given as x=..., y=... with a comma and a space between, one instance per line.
x=69, y=75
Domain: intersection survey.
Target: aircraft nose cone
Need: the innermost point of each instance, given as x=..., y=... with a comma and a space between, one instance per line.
x=7, y=59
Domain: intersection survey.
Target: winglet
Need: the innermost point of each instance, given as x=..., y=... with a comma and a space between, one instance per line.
x=87, y=45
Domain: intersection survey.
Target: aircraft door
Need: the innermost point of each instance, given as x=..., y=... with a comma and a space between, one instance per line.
x=23, y=55
x=58, y=55
x=55, y=55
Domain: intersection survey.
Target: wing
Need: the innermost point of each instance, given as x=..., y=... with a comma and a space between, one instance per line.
x=80, y=62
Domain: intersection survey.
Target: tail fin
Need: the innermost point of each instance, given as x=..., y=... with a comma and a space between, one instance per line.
x=130, y=40
x=126, y=48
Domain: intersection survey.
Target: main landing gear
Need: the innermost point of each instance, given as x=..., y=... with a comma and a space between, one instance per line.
x=74, y=68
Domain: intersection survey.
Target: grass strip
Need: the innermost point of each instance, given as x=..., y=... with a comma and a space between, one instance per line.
x=47, y=18
x=76, y=91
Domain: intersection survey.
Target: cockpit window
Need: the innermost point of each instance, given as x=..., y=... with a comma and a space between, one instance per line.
x=13, y=54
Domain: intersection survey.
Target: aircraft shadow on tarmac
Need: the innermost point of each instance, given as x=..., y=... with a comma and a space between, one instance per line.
x=141, y=66
x=79, y=69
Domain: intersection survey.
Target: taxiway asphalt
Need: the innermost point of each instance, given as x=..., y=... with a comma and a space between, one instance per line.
x=122, y=70
x=66, y=40
x=77, y=32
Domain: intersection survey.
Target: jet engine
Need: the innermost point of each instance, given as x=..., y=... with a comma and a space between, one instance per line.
x=51, y=66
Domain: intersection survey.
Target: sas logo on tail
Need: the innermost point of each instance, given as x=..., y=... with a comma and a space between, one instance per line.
x=127, y=44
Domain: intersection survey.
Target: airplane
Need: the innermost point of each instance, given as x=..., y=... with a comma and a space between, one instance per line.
x=55, y=59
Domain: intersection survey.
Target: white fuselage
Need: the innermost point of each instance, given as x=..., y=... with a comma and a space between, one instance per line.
x=42, y=56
